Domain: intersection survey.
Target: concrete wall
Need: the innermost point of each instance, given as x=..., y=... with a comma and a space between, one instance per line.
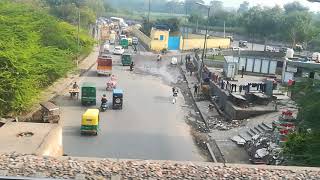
x=158, y=44
x=198, y=43
x=52, y=143
x=213, y=63
x=144, y=40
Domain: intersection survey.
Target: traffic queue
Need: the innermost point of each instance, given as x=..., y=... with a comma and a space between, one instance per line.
x=91, y=117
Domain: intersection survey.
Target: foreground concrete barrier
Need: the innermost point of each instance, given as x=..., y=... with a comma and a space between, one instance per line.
x=52, y=143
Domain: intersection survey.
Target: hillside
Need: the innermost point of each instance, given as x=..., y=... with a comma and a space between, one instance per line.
x=35, y=50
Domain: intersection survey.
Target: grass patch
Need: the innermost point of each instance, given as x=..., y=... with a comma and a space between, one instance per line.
x=216, y=57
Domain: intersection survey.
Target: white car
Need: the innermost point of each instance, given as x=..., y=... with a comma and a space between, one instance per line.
x=118, y=50
x=236, y=49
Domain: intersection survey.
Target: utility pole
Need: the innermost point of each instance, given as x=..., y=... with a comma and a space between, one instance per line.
x=78, y=36
x=224, y=29
x=149, y=13
x=205, y=40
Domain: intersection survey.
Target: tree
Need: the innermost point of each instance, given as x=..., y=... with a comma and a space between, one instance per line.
x=216, y=7
x=294, y=7
x=303, y=146
x=244, y=7
x=298, y=25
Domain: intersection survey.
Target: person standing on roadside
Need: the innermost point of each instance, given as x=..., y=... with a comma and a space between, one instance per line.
x=196, y=88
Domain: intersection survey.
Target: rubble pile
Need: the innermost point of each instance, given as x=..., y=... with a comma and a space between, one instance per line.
x=222, y=124
x=69, y=168
x=263, y=149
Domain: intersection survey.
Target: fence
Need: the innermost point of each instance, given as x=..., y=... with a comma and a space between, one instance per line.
x=144, y=39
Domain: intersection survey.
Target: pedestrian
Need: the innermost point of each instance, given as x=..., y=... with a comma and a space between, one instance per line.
x=195, y=89
x=175, y=95
x=242, y=71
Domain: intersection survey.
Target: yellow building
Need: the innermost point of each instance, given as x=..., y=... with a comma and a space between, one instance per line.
x=211, y=43
x=159, y=39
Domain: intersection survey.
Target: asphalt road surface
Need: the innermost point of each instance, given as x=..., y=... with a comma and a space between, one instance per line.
x=148, y=127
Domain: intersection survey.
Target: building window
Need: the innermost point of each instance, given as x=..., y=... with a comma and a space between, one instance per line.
x=161, y=37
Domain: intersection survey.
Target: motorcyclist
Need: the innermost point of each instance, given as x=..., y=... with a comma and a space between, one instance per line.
x=104, y=99
x=131, y=66
x=159, y=57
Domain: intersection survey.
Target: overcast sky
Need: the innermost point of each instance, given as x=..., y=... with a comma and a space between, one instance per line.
x=236, y=3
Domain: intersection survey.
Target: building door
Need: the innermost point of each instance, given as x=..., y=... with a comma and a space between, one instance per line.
x=174, y=43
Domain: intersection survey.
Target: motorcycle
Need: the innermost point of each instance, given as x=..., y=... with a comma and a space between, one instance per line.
x=104, y=106
x=131, y=67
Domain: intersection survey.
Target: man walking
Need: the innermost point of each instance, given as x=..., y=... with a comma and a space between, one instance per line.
x=175, y=95
x=196, y=88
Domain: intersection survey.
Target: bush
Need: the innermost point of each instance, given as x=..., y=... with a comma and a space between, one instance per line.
x=35, y=50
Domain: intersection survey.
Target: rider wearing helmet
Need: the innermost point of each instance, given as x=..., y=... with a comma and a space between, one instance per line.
x=104, y=99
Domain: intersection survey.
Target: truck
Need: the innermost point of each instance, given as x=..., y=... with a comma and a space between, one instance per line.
x=104, y=65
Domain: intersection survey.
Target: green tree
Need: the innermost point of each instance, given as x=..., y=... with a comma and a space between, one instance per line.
x=303, y=146
x=36, y=50
x=294, y=7
x=298, y=26
x=244, y=7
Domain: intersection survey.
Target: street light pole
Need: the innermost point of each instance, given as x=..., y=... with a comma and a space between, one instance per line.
x=205, y=41
x=78, y=36
x=149, y=13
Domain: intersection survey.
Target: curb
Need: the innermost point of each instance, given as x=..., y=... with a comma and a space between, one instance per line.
x=194, y=101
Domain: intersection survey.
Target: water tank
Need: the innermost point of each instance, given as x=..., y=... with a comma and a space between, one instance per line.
x=289, y=53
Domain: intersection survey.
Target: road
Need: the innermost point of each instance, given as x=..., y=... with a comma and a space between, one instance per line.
x=148, y=127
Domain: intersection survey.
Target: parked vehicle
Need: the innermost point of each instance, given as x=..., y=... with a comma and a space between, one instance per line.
x=135, y=41
x=90, y=122
x=117, y=98
x=298, y=48
x=243, y=44
x=270, y=49
x=118, y=50
x=126, y=59
x=230, y=37
x=104, y=65
x=88, y=94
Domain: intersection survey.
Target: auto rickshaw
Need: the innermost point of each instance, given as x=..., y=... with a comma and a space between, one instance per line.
x=88, y=94
x=130, y=41
x=126, y=59
x=90, y=122
x=117, y=98
x=124, y=43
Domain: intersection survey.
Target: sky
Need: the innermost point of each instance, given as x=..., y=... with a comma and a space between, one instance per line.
x=236, y=3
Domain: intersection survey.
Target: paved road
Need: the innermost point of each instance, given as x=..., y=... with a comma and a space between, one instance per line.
x=148, y=127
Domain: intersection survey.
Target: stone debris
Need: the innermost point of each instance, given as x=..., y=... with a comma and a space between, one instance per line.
x=238, y=140
x=223, y=125
x=62, y=168
x=263, y=149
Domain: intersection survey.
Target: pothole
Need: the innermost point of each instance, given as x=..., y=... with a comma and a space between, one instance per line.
x=25, y=134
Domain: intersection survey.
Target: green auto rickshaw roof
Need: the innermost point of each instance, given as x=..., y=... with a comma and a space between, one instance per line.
x=89, y=84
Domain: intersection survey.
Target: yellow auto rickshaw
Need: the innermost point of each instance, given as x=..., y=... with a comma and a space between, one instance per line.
x=90, y=122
